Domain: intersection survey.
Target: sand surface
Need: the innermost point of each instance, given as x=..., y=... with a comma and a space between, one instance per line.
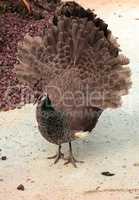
x=114, y=147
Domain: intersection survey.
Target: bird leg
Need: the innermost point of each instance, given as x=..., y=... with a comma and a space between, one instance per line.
x=71, y=158
x=58, y=156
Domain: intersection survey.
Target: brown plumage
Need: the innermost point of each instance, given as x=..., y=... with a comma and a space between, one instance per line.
x=73, y=9
x=75, y=65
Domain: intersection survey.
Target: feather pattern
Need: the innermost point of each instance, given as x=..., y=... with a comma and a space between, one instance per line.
x=73, y=9
x=78, y=64
x=75, y=56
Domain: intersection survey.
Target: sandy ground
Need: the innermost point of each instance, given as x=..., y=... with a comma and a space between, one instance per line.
x=114, y=146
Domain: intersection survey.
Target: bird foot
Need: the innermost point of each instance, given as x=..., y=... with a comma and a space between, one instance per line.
x=57, y=157
x=72, y=160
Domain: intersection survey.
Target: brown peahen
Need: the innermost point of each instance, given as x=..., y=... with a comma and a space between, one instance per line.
x=81, y=73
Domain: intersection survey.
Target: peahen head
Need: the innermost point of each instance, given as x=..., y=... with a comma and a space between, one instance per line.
x=47, y=104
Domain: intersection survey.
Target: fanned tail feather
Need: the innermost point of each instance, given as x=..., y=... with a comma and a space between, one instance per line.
x=75, y=49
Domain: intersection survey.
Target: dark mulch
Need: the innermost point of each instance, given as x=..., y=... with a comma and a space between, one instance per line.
x=13, y=27
x=107, y=174
x=3, y=158
x=21, y=187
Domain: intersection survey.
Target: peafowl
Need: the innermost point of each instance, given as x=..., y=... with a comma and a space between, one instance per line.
x=80, y=69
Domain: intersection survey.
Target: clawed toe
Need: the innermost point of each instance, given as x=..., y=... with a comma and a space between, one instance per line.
x=52, y=157
x=72, y=160
x=57, y=157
